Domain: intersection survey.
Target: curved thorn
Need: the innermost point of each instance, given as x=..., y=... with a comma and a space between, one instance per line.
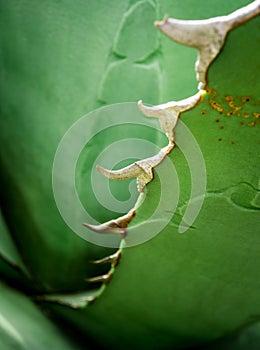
x=113, y=259
x=125, y=173
x=103, y=278
x=117, y=226
x=65, y=299
x=207, y=35
x=142, y=170
x=108, y=227
x=169, y=112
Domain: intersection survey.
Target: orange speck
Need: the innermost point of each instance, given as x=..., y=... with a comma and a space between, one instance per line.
x=230, y=113
x=215, y=105
x=228, y=98
x=231, y=104
x=246, y=115
x=245, y=99
x=203, y=112
x=237, y=108
x=252, y=123
x=256, y=115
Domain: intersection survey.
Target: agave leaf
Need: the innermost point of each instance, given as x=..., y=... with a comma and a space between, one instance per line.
x=164, y=292
x=12, y=267
x=247, y=339
x=73, y=300
x=39, y=109
x=8, y=250
x=24, y=327
x=43, y=91
x=177, y=290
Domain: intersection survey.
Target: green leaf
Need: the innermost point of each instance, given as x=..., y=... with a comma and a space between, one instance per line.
x=45, y=48
x=12, y=267
x=179, y=290
x=7, y=248
x=24, y=327
x=247, y=339
x=61, y=59
x=73, y=300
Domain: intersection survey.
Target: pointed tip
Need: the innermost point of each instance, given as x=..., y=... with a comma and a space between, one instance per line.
x=125, y=173
x=103, y=278
x=113, y=259
x=105, y=172
x=91, y=227
x=110, y=227
x=140, y=105
x=100, y=169
x=148, y=111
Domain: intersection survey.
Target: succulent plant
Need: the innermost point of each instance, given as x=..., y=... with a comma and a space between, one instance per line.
x=63, y=59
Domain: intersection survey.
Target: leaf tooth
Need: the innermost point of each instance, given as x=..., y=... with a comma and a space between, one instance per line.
x=125, y=173
x=207, y=35
x=167, y=115
x=113, y=259
x=73, y=300
x=193, y=33
x=117, y=226
x=142, y=170
x=108, y=227
x=134, y=170
x=169, y=112
x=102, y=278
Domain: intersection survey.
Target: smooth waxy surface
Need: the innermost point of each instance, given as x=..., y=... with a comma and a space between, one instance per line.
x=57, y=64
